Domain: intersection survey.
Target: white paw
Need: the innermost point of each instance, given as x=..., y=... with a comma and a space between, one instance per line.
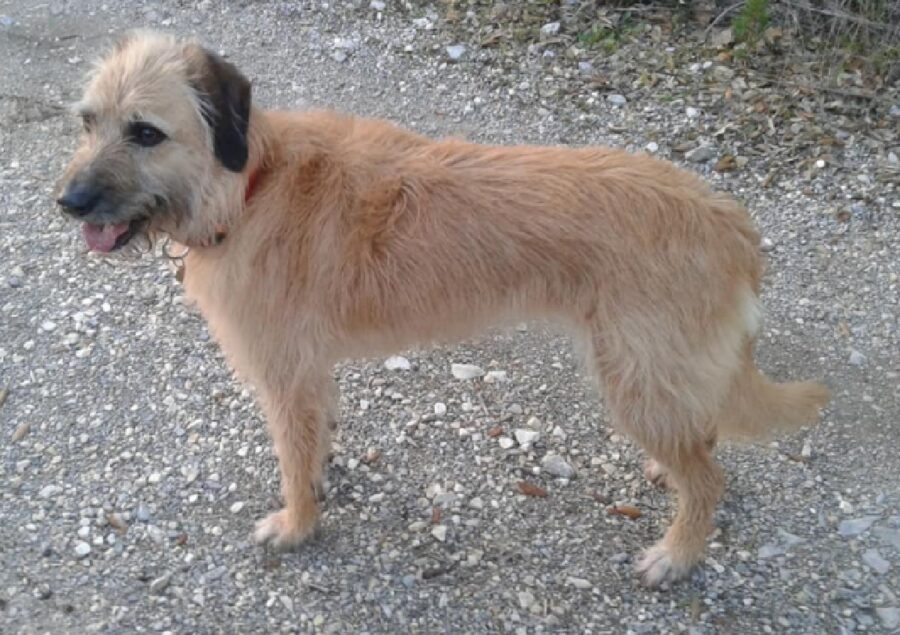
x=656, y=473
x=280, y=531
x=659, y=565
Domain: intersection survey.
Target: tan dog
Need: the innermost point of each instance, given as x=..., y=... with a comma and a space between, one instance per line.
x=315, y=237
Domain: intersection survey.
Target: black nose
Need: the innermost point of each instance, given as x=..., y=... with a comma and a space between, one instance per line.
x=79, y=199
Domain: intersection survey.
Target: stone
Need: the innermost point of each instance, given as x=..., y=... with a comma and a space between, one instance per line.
x=857, y=358
x=49, y=490
x=159, y=584
x=557, y=466
x=439, y=532
x=440, y=409
x=855, y=526
x=889, y=616
x=526, y=438
x=526, y=599
x=82, y=549
x=466, y=371
x=397, y=362
x=456, y=51
x=652, y=147
x=770, y=551
x=875, y=562
x=237, y=507
x=579, y=583
x=378, y=5
x=616, y=100
x=700, y=154
x=505, y=442
x=495, y=377
x=549, y=30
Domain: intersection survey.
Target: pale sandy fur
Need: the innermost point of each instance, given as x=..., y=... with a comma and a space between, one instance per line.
x=364, y=239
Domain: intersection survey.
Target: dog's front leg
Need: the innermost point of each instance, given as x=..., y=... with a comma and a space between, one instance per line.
x=298, y=420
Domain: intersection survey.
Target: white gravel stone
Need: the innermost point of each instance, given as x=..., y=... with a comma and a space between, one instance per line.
x=557, y=466
x=526, y=437
x=439, y=532
x=397, y=362
x=82, y=549
x=466, y=371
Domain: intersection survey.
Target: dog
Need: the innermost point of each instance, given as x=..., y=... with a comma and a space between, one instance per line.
x=315, y=237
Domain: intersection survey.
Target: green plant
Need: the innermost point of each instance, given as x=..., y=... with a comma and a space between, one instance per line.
x=751, y=22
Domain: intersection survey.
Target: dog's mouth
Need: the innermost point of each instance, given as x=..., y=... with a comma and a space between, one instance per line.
x=110, y=236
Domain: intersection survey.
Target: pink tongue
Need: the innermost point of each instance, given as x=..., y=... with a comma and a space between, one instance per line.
x=102, y=237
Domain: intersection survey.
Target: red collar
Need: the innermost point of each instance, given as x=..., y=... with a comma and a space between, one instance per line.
x=252, y=182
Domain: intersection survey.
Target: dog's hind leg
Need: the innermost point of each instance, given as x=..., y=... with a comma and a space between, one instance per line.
x=666, y=397
x=298, y=421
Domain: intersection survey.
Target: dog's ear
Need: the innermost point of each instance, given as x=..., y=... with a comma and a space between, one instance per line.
x=225, y=94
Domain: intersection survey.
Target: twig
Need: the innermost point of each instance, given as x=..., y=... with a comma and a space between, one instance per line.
x=719, y=18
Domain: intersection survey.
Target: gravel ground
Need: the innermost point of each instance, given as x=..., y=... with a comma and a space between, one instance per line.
x=133, y=466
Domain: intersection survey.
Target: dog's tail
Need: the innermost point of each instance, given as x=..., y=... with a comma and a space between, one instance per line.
x=757, y=408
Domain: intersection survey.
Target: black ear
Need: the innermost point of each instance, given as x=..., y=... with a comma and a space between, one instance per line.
x=226, y=99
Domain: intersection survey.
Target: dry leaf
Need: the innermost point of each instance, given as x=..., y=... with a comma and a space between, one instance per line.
x=600, y=498
x=371, y=456
x=20, y=432
x=115, y=521
x=726, y=164
x=495, y=432
x=625, y=510
x=182, y=539
x=530, y=489
x=435, y=515
x=4, y=393
x=843, y=216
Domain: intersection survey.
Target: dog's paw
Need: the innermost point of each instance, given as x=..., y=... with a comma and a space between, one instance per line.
x=660, y=563
x=656, y=473
x=283, y=530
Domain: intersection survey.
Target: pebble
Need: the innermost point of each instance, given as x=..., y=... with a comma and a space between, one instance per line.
x=770, y=551
x=82, y=549
x=466, y=371
x=439, y=532
x=49, y=490
x=378, y=5
x=855, y=526
x=616, y=100
x=579, y=583
x=526, y=599
x=526, y=438
x=767, y=245
x=142, y=513
x=237, y=507
x=440, y=409
x=700, y=154
x=652, y=147
x=456, y=51
x=159, y=584
x=874, y=560
x=557, y=466
x=857, y=358
x=495, y=377
x=397, y=362
x=476, y=503
x=692, y=113
x=889, y=616
x=505, y=442
x=549, y=30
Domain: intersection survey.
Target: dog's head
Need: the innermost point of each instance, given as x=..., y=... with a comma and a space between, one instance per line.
x=165, y=125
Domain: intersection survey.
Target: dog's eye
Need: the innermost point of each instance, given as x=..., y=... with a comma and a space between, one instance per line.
x=87, y=122
x=146, y=135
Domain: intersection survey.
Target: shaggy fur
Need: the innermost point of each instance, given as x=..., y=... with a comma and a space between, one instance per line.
x=359, y=239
